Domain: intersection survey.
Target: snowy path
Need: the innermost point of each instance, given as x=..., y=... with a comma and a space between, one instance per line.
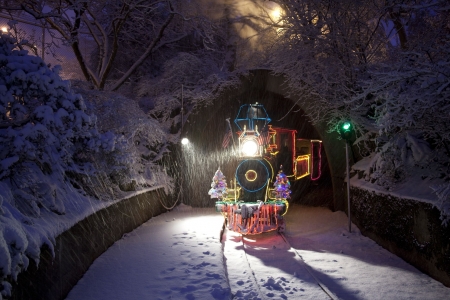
x=351, y=265
x=178, y=255
x=270, y=267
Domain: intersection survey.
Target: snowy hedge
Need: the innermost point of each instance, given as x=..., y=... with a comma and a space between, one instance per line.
x=138, y=145
x=55, y=155
x=42, y=127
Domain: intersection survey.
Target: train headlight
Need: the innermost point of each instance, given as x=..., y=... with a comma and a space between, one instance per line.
x=249, y=147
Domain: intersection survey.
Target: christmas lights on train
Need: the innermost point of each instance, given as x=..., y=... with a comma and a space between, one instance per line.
x=269, y=157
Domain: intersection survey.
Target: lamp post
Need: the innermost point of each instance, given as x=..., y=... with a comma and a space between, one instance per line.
x=346, y=131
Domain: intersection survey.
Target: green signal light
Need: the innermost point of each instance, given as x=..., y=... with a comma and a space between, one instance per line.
x=346, y=130
x=346, y=126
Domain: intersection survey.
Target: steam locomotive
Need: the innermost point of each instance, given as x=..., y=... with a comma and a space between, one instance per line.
x=268, y=159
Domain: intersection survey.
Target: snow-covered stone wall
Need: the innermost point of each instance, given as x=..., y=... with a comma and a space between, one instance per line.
x=411, y=229
x=77, y=248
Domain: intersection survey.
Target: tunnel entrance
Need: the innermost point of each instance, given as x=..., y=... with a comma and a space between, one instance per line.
x=207, y=126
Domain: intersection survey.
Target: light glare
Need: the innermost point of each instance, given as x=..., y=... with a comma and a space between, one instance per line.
x=346, y=126
x=249, y=148
x=276, y=14
x=184, y=141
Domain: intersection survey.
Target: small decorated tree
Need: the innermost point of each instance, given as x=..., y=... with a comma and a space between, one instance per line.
x=218, y=186
x=282, y=185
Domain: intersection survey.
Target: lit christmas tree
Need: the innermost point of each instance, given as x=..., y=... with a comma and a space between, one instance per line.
x=218, y=186
x=282, y=185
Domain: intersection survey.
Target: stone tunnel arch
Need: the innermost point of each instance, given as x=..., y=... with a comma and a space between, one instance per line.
x=206, y=127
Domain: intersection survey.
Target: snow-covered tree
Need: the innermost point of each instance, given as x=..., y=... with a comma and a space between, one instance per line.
x=128, y=38
x=407, y=96
x=45, y=133
x=376, y=63
x=282, y=186
x=218, y=186
x=324, y=48
x=139, y=145
x=42, y=126
x=53, y=152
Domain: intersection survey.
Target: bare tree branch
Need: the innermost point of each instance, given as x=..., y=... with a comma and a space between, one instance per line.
x=147, y=52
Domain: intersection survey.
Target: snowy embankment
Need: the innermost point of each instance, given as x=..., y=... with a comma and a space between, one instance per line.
x=59, y=162
x=420, y=184
x=178, y=255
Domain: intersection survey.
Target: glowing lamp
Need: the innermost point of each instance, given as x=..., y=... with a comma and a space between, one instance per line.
x=346, y=130
x=346, y=126
x=184, y=141
x=249, y=148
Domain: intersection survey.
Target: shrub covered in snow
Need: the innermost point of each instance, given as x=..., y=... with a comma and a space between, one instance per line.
x=137, y=143
x=394, y=160
x=410, y=109
x=51, y=151
x=43, y=126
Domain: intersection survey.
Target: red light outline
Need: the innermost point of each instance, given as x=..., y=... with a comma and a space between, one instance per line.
x=320, y=159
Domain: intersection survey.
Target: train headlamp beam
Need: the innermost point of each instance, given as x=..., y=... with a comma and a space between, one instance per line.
x=249, y=147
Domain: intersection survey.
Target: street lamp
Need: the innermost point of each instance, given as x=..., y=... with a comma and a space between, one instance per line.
x=184, y=141
x=346, y=132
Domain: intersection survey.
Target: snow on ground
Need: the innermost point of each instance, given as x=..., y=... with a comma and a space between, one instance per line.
x=353, y=266
x=178, y=255
x=268, y=261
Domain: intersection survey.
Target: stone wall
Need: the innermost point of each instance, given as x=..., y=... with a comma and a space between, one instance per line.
x=410, y=229
x=77, y=248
